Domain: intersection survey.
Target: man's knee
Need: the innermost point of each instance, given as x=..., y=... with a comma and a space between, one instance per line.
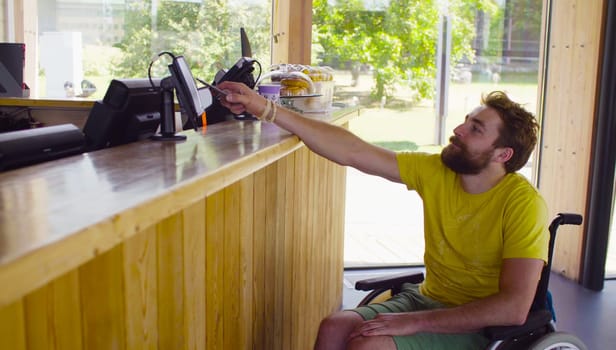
x=335, y=329
x=340, y=322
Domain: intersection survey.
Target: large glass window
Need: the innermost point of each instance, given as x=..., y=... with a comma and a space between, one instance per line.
x=417, y=68
x=610, y=263
x=3, y=21
x=85, y=44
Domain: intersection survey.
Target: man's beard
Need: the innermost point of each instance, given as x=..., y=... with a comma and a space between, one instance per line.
x=461, y=161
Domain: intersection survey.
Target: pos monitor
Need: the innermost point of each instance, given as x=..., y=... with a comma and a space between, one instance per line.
x=12, y=60
x=133, y=109
x=193, y=101
x=129, y=111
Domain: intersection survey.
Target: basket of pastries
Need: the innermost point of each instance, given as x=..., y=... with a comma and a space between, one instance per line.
x=304, y=88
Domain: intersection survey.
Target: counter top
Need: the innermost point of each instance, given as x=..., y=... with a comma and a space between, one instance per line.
x=79, y=103
x=57, y=215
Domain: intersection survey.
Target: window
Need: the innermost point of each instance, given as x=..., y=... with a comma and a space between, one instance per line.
x=610, y=264
x=3, y=21
x=98, y=40
x=417, y=68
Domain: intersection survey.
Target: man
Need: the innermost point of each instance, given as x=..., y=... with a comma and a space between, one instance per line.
x=485, y=227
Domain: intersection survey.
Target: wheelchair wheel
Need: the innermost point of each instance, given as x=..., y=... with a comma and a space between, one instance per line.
x=558, y=341
x=522, y=340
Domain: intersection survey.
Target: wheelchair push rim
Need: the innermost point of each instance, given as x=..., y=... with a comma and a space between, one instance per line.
x=558, y=341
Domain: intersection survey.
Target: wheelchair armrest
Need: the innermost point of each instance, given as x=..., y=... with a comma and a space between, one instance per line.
x=535, y=320
x=389, y=281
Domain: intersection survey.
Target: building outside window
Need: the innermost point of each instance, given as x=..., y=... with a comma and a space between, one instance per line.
x=85, y=44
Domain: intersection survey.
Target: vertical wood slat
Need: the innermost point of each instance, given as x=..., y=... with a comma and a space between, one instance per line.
x=279, y=173
x=259, y=251
x=141, y=290
x=246, y=272
x=53, y=315
x=231, y=271
x=214, y=277
x=26, y=31
x=311, y=264
x=569, y=118
x=12, y=326
x=102, y=301
x=253, y=266
x=273, y=257
x=194, y=275
x=290, y=199
x=269, y=237
x=170, y=283
x=292, y=25
x=299, y=242
x=325, y=189
x=336, y=256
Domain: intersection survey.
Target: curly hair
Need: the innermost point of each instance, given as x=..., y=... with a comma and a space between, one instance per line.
x=519, y=130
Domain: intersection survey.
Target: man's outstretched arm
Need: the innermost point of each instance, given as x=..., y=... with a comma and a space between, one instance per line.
x=330, y=141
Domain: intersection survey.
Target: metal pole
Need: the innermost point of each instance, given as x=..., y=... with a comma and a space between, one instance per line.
x=442, y=78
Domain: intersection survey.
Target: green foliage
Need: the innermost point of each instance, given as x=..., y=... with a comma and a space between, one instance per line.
x=206, y=33
x=397, y=145
x=398, y=42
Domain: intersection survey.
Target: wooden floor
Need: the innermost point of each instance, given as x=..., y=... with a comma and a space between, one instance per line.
x=384, y=222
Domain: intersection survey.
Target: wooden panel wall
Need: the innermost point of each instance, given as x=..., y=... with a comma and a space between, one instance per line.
x=3, y=21
x=292, y=28
x=255, y=265
x=571, y=88
x=26, y=31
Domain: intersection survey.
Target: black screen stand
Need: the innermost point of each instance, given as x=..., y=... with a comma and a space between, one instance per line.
x=167, y=114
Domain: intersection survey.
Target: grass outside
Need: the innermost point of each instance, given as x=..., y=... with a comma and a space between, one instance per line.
x=400, y=120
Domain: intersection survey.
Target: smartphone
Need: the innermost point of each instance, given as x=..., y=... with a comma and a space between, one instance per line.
x=218, y=93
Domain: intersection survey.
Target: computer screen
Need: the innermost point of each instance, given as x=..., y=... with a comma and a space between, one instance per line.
x=12, y=60
x=241, y=71
x=186, y=90
x=245, y=44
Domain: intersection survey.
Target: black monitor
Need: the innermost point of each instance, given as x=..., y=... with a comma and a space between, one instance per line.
x=241, y=71
x=245, y=44
x=12, y=60
x=133, y=109
x=187, y=93
x=129, y=111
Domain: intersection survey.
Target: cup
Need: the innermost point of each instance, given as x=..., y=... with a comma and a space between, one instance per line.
x=270, y=91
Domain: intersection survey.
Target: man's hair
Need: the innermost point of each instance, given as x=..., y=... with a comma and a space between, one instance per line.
x=519, y=130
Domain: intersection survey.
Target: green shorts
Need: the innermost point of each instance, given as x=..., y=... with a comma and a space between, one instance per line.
x=410, y=299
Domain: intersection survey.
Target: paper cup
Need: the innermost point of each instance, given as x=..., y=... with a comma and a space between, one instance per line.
x=270, y=91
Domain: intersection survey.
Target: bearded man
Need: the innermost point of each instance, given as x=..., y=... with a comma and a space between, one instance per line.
x=486, y=227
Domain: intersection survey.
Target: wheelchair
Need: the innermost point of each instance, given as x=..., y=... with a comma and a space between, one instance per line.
x=537, y=333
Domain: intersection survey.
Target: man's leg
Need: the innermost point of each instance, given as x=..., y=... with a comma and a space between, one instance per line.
x=335, y=328
x=371, y=343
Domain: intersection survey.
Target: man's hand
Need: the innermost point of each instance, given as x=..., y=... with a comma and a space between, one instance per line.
x=389, y=325
x=510, y=306
x=240, y=98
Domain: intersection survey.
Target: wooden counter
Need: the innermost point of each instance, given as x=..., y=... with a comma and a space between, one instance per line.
x=228, y=240
x=47, y=103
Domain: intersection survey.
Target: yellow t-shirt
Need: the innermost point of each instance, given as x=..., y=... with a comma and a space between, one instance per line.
x=468, y=235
